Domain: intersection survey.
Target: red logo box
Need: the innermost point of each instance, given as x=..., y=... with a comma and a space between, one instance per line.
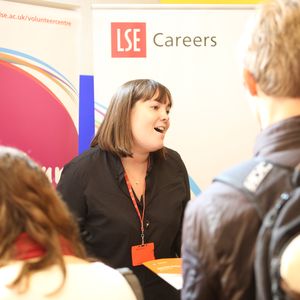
x=128, y=39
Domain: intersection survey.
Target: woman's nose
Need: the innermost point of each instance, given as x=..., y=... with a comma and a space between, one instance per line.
x=164, y=115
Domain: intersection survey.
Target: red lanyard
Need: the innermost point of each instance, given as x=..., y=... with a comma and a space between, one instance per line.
x=133, y=199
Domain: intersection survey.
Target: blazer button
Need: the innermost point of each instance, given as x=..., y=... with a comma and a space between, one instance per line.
x=147, y=224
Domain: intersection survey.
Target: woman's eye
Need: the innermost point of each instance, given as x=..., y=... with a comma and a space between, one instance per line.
x=155, y=107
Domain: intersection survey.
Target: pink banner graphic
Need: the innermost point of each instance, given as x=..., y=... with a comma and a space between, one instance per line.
x=33, y=119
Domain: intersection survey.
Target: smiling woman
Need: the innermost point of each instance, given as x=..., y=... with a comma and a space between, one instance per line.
x=149, y=118
x=128, y=191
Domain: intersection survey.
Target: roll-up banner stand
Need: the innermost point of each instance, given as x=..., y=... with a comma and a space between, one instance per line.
x=39, y=74
x=193, y=51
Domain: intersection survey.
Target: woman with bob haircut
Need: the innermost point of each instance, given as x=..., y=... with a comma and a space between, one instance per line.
x=128, y=192
x=41, y=256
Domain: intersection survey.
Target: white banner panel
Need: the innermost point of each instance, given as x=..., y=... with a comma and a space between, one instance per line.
x=193, y=51
x=39, y=74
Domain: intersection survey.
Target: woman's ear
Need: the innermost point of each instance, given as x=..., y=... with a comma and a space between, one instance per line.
x=250, y=82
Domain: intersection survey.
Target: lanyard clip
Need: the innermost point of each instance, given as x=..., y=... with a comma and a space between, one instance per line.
x=143, y=238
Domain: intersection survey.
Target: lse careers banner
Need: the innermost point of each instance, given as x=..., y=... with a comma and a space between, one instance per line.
x=193, y=51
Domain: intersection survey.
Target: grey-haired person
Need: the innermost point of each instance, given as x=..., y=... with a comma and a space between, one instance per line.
x=221, y=226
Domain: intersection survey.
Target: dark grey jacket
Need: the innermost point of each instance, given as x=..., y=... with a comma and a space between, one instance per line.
x=220, y=227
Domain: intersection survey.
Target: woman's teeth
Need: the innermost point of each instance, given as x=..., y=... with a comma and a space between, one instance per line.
x=160, y=129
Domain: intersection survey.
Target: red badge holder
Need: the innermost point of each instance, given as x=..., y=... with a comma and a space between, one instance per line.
x=142, y=253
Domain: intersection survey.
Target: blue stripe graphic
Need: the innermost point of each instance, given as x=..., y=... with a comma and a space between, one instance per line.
x=86, y=112
x=194, y=187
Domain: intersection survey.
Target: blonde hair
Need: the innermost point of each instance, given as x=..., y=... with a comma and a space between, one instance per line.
x=29, y=204
x=273, y=51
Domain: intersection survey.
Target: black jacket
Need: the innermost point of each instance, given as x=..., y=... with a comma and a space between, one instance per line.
x=94, y=188
x=220, y=227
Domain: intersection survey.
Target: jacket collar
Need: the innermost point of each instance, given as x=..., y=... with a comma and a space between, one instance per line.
x=281, y=137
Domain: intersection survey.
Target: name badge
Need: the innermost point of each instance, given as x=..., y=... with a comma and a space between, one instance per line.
x=142, y=253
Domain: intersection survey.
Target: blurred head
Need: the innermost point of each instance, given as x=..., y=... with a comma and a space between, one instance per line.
x=115, y=133
x=290, y=268
x=29, y=204
x=273, y=50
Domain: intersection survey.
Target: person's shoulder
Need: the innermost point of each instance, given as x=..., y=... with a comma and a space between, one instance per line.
x=86, y=159
x=171, y=153
x=86, y=156
x=219, y=204
x=96, y=269
x=169, y=160
x=173, y=157
x=216, y=193
x=105, y=280
x=81, y=166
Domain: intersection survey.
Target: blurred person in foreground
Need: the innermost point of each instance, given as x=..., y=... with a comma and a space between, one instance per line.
x=221, y=225
x=41, y=256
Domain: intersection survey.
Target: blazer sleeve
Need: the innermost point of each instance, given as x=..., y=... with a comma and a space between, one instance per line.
x=71, y=187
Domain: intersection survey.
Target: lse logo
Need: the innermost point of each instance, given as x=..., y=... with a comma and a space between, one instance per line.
x=128, y=39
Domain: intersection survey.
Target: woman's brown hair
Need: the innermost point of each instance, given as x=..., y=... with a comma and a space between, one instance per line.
x=114, y=134
x=29, y=204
